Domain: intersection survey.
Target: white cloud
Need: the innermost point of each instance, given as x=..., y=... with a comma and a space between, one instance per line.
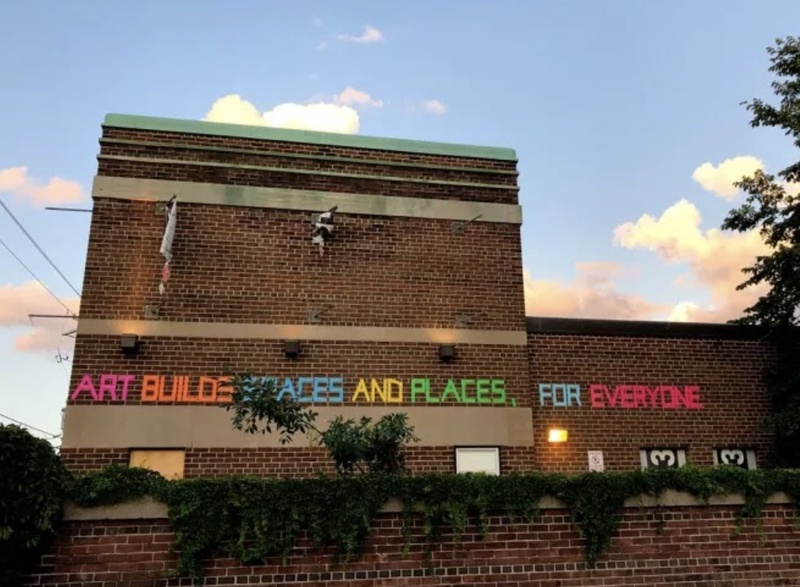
x=720, y=179
x=17, y=301
x=351, y=96
x=321, y=116
x=318, y=22
x=370, y=35
x=715, y=259
x=16, y=181
x=591, y=294
x=321, y=46
x=434, y=106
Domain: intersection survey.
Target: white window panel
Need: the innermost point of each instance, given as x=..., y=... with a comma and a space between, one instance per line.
x=478, y=460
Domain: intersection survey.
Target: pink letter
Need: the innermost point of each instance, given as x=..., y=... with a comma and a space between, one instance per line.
x=626, y=397
x=692, y=397
x=669, y=391
x=596, y=395
x=653, y=394
x=86, y=384
x=108, y=383
x=639, y=396
x=612, y=398
x=126, y=380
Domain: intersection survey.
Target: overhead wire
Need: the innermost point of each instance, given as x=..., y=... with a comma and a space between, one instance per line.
x=32, y=274
x=38, y=248
x=21, y=423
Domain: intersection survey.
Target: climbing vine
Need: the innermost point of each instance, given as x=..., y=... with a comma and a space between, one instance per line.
x=254, y=519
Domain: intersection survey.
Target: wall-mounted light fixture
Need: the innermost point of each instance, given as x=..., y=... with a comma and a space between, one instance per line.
x=129, y=343
x=447, y=352
x=557, y=435
x=291, y=348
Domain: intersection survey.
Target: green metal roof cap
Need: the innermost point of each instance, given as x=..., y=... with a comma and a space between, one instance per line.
x=306, y=136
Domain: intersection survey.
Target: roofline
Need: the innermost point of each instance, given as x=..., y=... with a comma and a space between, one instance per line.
x=307, y=136
x=648, y=329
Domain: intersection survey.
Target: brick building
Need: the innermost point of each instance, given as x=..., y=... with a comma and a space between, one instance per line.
x=415, y=305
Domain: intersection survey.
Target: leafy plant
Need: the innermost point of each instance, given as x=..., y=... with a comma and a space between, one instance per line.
x=773, y=209
x=32, y=489
x=363, y=446
x=257, y=406
x=254, y=519
x=354, y=446
x=117, y=484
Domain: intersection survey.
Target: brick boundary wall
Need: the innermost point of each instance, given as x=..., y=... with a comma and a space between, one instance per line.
x=696, y=548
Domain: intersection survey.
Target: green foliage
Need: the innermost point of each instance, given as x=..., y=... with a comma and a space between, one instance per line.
x=774, y=211
x=32, y=490
x=363, y=446
x=354, y=446
x=117, y=484
x=256, y=407
x=253, y=519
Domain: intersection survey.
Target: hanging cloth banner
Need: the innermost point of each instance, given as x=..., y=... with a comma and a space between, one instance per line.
x=169, y=232
x=166, y=243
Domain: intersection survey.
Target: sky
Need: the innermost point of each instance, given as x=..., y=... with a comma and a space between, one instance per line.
x=626, y=117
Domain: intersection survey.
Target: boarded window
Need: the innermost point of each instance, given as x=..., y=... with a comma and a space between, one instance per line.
x=167, y=462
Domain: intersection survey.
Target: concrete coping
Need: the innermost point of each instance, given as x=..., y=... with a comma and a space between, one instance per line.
x=149, y=509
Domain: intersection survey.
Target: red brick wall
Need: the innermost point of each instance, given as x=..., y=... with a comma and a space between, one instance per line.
x=728, y=373
x=196, y=357
x=258, y=266
x=695, y=549
x=286, y=462
x=285, y=159
x=234, y=264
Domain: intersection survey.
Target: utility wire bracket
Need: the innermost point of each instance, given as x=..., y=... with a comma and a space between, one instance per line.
x=461, y=226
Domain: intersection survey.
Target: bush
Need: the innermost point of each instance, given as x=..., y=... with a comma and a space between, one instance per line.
x=33, y=484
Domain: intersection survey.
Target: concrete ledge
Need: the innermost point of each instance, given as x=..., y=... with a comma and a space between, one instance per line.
x=148, y=508
x=154, y=426
x=158, y=190
x=244, y=331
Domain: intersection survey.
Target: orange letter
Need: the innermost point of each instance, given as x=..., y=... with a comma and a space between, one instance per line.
x=152, y=387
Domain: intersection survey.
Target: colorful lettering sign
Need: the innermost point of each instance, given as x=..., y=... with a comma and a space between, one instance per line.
x=625, y=397
x=316, y=390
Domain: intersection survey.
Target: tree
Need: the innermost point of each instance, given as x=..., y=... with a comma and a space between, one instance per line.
x=773, y=209
x=33, y=484
x=354, y=446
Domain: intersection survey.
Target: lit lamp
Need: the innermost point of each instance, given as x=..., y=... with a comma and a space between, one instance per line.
x=129, y=343
x=557, y=435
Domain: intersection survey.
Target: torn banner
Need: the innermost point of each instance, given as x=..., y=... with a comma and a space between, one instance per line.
x=166, y=242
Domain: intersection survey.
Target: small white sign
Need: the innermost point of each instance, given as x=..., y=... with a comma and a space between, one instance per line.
x=596, y=460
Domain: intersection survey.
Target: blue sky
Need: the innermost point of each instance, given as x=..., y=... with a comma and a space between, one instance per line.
x=611, y=106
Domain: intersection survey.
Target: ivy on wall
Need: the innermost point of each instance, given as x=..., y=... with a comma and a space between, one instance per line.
x=252, y=519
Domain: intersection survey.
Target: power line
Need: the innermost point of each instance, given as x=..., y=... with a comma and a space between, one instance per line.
x=29, y=426
x=35, y=244
x=47, y=289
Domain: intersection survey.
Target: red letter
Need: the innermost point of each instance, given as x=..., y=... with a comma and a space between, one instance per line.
x=639, y=396
x=671, y=392
x=596, y=395
x=693, y=397
x=612, y=398
x=626, y=397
